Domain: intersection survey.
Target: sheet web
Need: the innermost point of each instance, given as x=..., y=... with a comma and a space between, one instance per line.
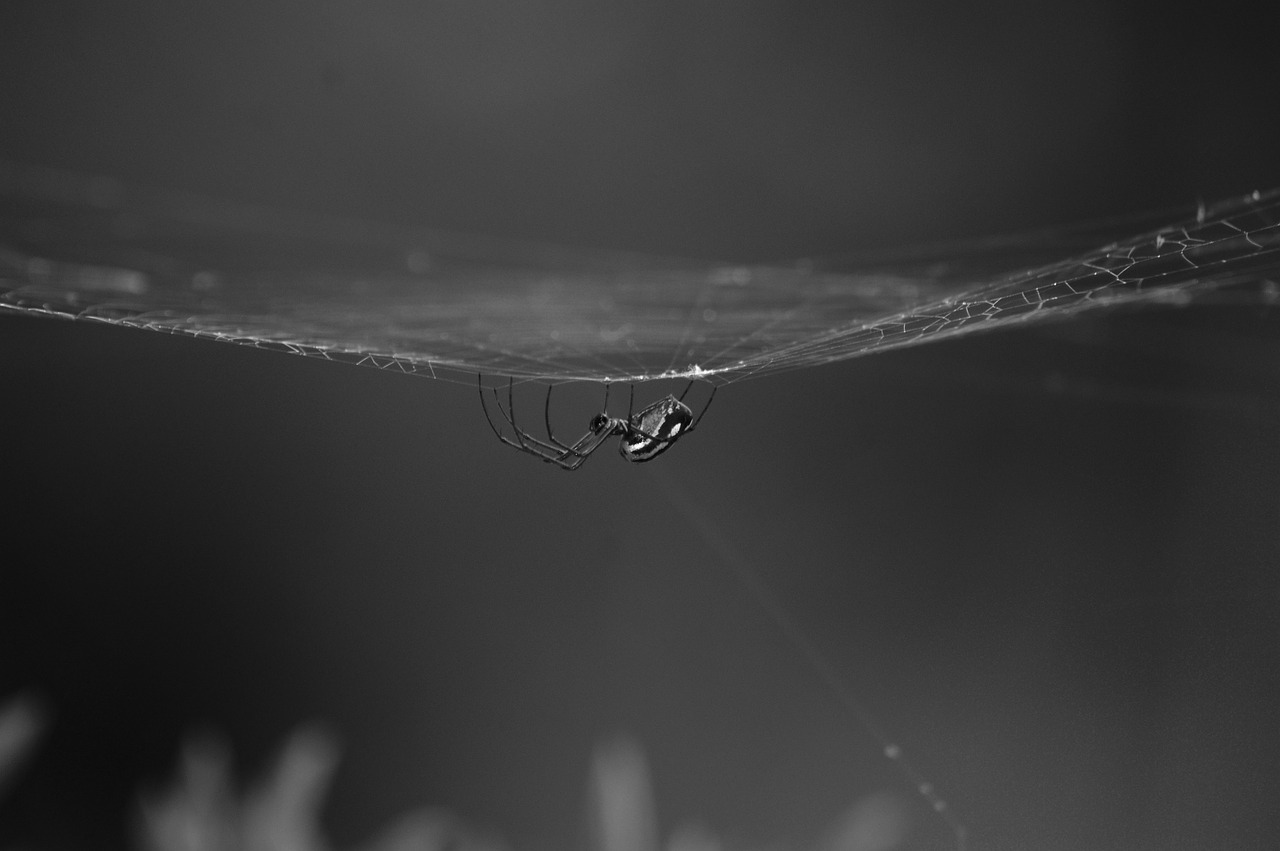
x=453, y=307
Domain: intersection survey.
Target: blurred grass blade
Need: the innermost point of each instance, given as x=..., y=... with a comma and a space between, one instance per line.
x=623, y=818
x=22, y=720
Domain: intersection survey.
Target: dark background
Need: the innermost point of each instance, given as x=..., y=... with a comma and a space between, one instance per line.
x=1044, y=560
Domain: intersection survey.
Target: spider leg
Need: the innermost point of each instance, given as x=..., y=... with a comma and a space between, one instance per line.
x=703, y=413
x=569, y=450
x=498, y=402
x=537, y=447
x=509, y=414
x=590, y=442
x=565, y=457
x=518, y=443
x=546, y=415
x=485, y=407
x=524, y=440
x=588, y=439
x=511, y=408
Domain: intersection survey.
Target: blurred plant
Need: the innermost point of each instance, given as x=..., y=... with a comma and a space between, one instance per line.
x=202, y=811
x=875, y=823
x=22, y=720
x=623, y=816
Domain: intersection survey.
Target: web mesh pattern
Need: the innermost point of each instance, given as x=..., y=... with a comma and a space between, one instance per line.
x=452, y=306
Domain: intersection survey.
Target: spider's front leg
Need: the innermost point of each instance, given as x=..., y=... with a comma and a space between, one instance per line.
x=601, y=427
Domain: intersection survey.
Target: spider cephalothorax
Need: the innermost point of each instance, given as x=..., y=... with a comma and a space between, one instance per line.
x=645, y=435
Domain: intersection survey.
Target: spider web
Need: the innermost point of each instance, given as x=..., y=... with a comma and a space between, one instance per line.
x=452, y=306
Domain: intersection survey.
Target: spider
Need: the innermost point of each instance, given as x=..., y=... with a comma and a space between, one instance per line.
x=645, y=435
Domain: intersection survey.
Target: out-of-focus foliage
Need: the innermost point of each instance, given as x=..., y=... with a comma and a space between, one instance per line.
x=22, y=719
x=624, y=818
x=202, y=809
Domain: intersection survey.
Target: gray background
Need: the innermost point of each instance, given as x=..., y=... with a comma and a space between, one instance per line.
x=1044, y=560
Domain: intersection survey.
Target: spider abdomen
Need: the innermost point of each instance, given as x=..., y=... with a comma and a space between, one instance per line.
x=652, y=431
